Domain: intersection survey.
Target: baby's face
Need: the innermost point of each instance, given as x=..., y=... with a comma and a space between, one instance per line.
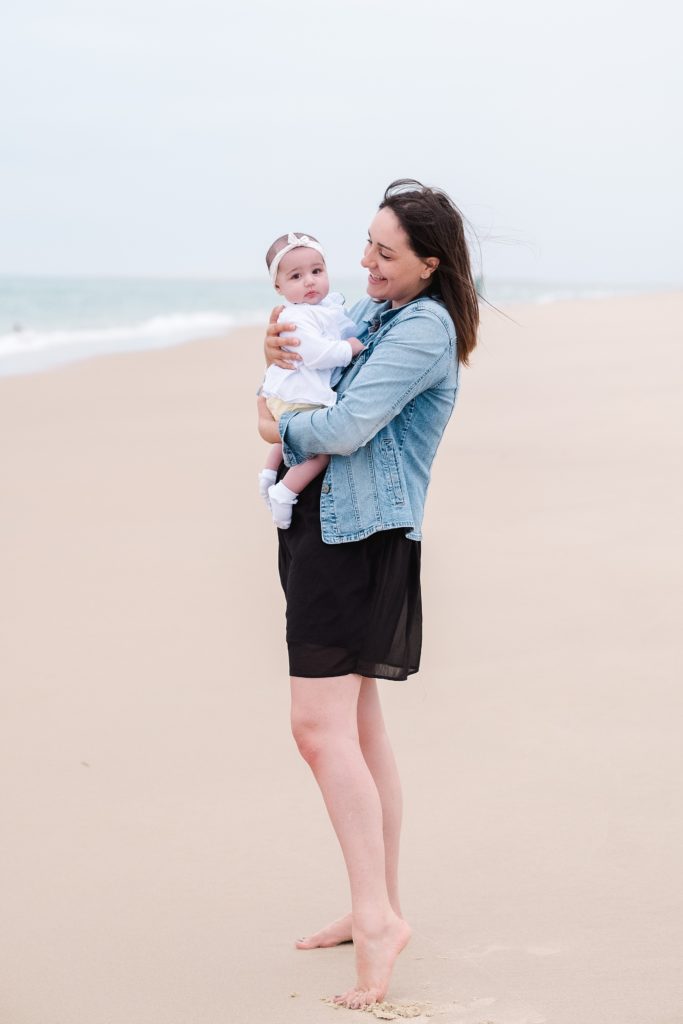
x=302, y=276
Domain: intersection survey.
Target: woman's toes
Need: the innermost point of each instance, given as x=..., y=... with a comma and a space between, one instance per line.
x=332, y=935
x=357, y=999
x=343, y=1000
x=366, y=998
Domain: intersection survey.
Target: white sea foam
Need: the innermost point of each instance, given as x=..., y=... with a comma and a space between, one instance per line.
x=28, y=351
x=45, y=322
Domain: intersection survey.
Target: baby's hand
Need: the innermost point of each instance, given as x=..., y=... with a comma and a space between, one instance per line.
x=356, y=346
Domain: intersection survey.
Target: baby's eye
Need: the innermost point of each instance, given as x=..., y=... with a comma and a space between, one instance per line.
x=318, y=270
x=295, y=277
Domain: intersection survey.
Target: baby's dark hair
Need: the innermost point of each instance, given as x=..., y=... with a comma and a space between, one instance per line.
x=281, y=242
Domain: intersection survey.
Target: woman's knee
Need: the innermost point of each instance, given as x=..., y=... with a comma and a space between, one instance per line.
x=315, y=737
x=311, y=735
x=323, y=713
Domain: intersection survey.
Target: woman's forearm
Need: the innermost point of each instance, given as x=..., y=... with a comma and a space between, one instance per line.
x=320, y=432
x=267, y=426
x=400, y=368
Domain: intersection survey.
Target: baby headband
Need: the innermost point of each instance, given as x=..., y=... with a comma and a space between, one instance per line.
x=293, y=243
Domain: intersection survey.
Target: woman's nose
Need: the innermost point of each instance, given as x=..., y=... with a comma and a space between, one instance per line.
x=368, y=259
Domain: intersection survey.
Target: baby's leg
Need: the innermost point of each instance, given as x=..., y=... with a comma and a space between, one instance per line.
x=285, y=494
x=299, y=477
x=266, y=477
x=274, y=457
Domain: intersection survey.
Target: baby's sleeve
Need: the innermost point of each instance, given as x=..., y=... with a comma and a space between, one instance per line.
x=317, y=352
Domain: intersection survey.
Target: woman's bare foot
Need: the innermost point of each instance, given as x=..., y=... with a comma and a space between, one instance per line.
x=332, y=935
x=376, y=954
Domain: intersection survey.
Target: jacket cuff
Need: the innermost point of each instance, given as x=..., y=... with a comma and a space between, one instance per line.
x=291, y=458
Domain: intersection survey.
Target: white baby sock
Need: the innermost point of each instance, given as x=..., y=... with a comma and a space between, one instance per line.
x=281, y=502
x=266, y=479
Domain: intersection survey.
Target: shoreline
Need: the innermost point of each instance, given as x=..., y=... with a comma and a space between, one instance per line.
x=151, y=337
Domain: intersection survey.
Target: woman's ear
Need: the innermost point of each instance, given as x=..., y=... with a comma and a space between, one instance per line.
x=430, y=266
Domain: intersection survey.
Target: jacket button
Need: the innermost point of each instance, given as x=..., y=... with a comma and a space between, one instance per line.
x=325, y=488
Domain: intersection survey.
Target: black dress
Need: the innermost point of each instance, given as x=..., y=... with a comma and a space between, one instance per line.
x=353, y=607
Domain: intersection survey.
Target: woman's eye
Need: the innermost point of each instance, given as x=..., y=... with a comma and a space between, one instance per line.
x=384, y=257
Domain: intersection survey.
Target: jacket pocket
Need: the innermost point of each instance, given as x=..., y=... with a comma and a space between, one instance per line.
x=392, y=473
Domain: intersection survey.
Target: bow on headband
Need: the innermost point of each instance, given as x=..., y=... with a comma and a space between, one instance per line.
x=293, y=243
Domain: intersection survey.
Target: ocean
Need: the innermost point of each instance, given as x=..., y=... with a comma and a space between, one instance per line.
x=48, y=321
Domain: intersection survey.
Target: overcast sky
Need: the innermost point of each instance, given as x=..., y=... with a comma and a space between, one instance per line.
x=180, y=138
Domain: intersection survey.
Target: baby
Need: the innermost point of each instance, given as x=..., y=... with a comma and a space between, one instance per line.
x=297, y=270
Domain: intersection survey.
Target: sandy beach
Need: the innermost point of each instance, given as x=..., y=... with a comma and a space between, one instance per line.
x=163, y=842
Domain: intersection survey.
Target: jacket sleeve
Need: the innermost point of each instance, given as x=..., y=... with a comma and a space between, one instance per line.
x=412, y=357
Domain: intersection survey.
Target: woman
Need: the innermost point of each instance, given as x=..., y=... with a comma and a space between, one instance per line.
x=350, y=562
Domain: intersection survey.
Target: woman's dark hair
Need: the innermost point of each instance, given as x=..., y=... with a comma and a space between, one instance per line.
x=434, y=226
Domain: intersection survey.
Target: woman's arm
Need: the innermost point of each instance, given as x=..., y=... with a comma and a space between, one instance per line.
x=267, y=424
x=415, y=355
x=322, y=351
x=273, y=344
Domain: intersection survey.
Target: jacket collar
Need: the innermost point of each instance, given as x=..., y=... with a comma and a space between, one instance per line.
x=380, y=313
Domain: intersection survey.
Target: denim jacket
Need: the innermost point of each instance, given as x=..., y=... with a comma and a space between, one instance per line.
x=393, y=403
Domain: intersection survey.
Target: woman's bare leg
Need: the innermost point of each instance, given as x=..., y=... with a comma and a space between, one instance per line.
x=379, y=757
x=325, y=722
x=325, y=726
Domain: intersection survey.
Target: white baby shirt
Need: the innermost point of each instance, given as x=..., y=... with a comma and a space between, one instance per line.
x=321, y=329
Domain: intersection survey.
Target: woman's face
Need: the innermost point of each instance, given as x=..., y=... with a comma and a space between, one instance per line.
x=394, y=271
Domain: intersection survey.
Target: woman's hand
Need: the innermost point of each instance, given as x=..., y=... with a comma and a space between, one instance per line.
x=267, y=426
x=273, y=343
